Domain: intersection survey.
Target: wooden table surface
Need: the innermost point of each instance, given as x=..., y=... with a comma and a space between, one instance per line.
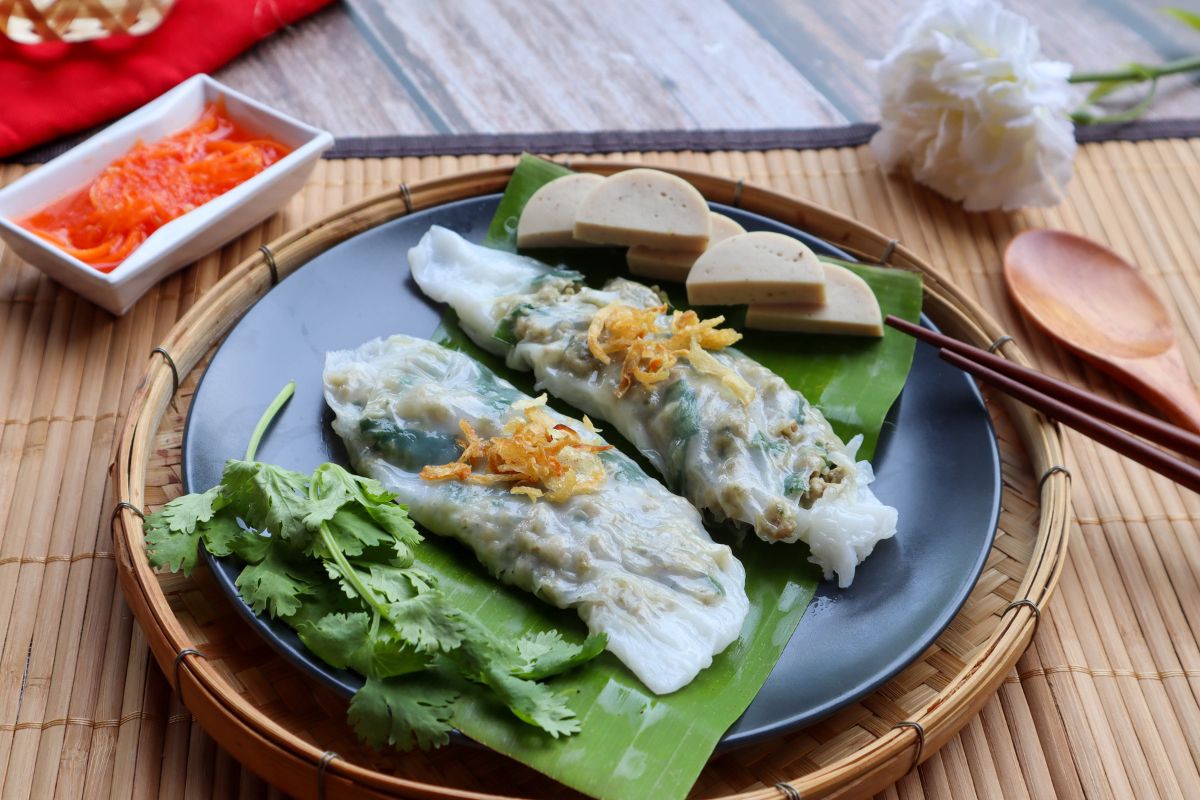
x=371, y=67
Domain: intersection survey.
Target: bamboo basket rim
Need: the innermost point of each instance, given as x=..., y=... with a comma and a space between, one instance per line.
x=301, y=768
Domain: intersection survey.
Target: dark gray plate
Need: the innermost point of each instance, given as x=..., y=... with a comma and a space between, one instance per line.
x=937, y=462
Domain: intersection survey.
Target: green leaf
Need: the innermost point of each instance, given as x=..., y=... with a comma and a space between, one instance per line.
x=172, y=538
x=347, y=641
x=333, y=484
x=361, y=514
x=170, y=549
x=1189, y=18
x=184, y=513
x=355, y=531
x=531, y=174
x=251, y=547
x=426, y=622
x=545, y=653
x=396, y=583
x=482, y=659
x=223, y=535
x=394, y=519
x=272, y=586
x=403, y=712
x=269, y=498
x=532, y=702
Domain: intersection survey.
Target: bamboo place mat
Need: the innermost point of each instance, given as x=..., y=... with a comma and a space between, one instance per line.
x=1103, y=704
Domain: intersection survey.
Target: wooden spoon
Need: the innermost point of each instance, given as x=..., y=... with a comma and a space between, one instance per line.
x=1097, y=305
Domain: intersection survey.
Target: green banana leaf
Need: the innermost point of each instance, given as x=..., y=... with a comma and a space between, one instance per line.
x=634, y=743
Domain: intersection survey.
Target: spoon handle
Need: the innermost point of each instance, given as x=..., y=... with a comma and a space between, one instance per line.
x=1163, y=381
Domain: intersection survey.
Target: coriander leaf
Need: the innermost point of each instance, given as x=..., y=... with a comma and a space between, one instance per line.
x=349, y=590
x=398, y=583
x=170, y=549
x=331, y=480
x=251, y=546
x=402, y=712
x=171, y=533
x=269, y=498
x=321, y=599
x=322, y=510
x=535, y=703
x=184, y=513
x=333, y=488
x=394, y=519
x=224, y=535
x=354, y=531
x=272, y=585
x=219, y=532
x=426, y=622
x=545, y=653
x=483, y=660
x=362, y=509
x=348, y=641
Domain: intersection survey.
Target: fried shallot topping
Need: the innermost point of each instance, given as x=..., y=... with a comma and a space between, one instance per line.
x=539, y=457
x=653, y=343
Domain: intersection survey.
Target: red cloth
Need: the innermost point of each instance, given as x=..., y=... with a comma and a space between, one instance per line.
x=52, y=89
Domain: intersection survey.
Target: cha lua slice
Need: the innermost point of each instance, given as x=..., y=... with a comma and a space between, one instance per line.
x=548, y=219
x=850, y=309
x=674, y=265
x=756, y=267
x=647, y=207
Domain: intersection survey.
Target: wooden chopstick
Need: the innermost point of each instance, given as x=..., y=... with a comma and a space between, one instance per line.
x=1069, y=405
x=1132, y=420
x=1161, y=462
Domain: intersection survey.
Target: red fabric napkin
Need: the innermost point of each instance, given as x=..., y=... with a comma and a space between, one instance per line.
x=52, y=89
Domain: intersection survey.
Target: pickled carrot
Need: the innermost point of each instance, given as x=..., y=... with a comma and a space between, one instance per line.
x=151, y=185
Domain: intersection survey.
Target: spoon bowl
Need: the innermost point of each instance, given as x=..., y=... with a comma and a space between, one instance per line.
x=1099, y=306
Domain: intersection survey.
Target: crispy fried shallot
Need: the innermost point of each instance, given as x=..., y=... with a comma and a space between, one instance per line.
x=539, y=457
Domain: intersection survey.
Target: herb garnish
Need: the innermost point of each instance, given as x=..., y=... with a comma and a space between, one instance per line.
x=334, y=557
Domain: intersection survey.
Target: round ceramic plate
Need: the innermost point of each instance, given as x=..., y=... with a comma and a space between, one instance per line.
x=937, y=462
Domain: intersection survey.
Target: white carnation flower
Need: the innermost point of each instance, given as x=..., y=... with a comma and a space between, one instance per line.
x=972, y=111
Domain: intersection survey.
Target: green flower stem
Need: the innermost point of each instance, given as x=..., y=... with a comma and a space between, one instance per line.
x=264, y=421
x=1139, y=72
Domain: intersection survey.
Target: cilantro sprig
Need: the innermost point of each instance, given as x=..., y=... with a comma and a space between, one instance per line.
x=332, y=555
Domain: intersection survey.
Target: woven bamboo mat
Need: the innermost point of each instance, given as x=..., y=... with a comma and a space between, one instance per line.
x=1104, y=704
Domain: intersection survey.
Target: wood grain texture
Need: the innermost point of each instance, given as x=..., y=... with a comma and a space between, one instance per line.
x=376, y=67
x=323, y=71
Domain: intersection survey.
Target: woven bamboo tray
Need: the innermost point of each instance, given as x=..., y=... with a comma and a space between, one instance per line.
x=292, y=732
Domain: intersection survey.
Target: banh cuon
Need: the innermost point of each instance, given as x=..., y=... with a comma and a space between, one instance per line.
x=673, y=236
x=721, y=429
x=551, y=508
x=692, y=623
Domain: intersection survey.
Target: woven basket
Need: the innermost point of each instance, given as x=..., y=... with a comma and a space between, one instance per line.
x=293, y=733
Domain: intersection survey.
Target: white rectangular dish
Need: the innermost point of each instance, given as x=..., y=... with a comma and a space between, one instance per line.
x=185, y=238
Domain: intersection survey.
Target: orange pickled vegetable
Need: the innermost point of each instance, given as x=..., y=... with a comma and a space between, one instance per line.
x=151, y=185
